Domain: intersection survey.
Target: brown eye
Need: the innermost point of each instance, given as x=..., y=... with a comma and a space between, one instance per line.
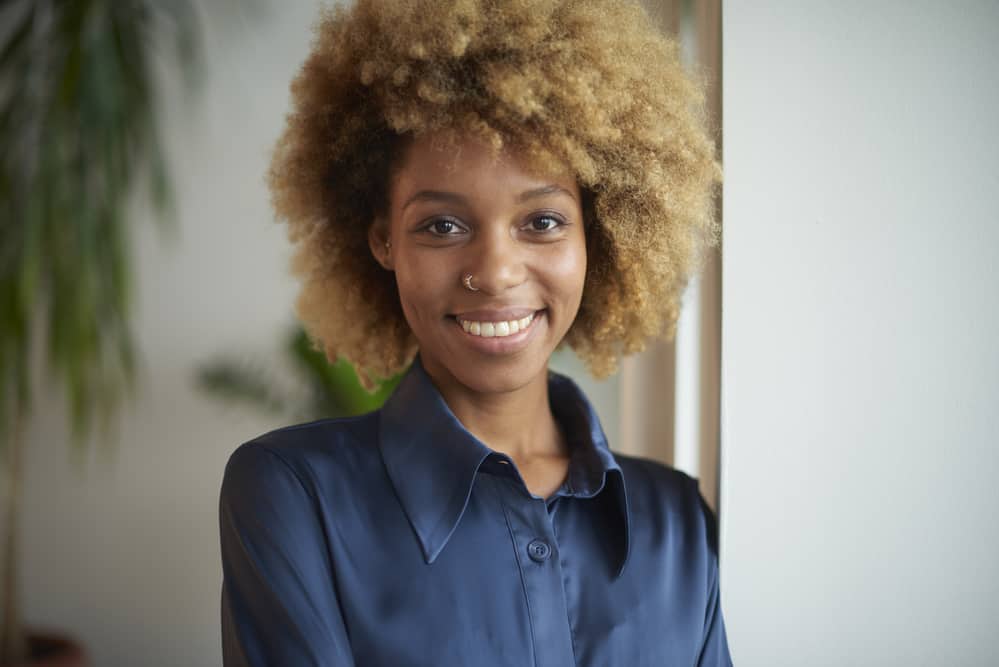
x=444, y=227
x=545, y=223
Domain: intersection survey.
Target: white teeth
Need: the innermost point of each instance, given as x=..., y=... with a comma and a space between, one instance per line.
x=496, y=329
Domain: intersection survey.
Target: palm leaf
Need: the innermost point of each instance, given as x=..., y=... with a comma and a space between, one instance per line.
x=79, y=128
x=325, y=389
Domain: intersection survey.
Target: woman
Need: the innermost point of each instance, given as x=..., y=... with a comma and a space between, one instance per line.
x=469, y=185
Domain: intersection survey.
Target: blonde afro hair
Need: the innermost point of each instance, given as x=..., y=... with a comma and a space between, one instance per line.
x=586, y=84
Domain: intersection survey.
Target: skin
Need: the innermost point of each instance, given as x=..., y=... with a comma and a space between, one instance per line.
x=520, y=234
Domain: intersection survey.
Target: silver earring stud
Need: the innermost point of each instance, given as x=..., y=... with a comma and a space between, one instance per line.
x=467, y=280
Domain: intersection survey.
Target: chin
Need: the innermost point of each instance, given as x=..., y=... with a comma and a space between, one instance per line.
x=493, y=375
x=505, y=381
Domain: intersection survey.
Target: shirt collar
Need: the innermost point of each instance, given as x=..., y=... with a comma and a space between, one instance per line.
x=432, y=460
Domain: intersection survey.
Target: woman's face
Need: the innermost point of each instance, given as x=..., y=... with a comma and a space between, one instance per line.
x=520, y=235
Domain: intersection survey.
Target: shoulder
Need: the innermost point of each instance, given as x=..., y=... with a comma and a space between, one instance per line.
x=668, y=497
x=309, y=455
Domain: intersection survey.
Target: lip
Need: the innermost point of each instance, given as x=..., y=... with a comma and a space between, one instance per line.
x=505, y=344
x=496, y=314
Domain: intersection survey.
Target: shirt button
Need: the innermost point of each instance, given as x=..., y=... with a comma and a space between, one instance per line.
x=539, y=551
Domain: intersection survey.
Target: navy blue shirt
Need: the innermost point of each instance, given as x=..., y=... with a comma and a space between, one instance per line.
x=398, y=539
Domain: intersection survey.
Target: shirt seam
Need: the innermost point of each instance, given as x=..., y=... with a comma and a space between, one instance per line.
x=326, y=538
x=287, y=465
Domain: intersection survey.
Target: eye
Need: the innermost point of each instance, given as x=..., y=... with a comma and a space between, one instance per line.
x=444, y=227
x=545, y=223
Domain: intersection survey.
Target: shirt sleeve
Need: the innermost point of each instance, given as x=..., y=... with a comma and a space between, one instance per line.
x=279, y=604
x=714, y=646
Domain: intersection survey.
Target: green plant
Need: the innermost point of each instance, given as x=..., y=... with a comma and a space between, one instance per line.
x=326, y=390
x=79, y=131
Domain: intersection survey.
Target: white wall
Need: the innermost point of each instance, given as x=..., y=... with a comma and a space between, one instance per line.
x=123, y=553
x=861, y=333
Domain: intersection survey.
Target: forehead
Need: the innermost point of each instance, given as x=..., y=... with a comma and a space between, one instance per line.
x=469, y=166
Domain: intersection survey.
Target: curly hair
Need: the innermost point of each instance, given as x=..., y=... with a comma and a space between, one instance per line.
x=588, y=85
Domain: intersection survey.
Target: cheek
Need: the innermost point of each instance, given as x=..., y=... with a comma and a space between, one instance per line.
x=566, y=271
x=420, y=285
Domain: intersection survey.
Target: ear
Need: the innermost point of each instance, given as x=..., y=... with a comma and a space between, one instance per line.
x=378, y=243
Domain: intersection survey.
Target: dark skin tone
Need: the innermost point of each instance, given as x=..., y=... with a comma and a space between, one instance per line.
x=520, y=235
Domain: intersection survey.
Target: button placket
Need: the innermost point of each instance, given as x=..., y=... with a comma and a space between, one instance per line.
x=533, y=534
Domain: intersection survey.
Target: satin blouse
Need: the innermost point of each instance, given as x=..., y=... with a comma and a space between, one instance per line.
x=398, y=539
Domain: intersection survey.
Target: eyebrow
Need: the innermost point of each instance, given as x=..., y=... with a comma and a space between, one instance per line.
x=454, y=197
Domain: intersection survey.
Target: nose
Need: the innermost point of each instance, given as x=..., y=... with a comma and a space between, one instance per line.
x=496, y=262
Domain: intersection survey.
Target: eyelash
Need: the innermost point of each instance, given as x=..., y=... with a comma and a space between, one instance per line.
x=559, y=222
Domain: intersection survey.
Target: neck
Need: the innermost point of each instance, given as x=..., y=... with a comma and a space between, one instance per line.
x=518, y=423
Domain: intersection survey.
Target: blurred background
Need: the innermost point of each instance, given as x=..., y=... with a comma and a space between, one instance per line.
x=834, y=383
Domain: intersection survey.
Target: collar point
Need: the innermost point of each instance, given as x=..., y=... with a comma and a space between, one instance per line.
x=430, y=552
x=621, y=565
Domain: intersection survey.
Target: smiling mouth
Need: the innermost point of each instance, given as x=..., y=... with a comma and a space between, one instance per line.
x=496, y=329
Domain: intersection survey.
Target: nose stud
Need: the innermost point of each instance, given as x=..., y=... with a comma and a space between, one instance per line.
x=467, y=280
